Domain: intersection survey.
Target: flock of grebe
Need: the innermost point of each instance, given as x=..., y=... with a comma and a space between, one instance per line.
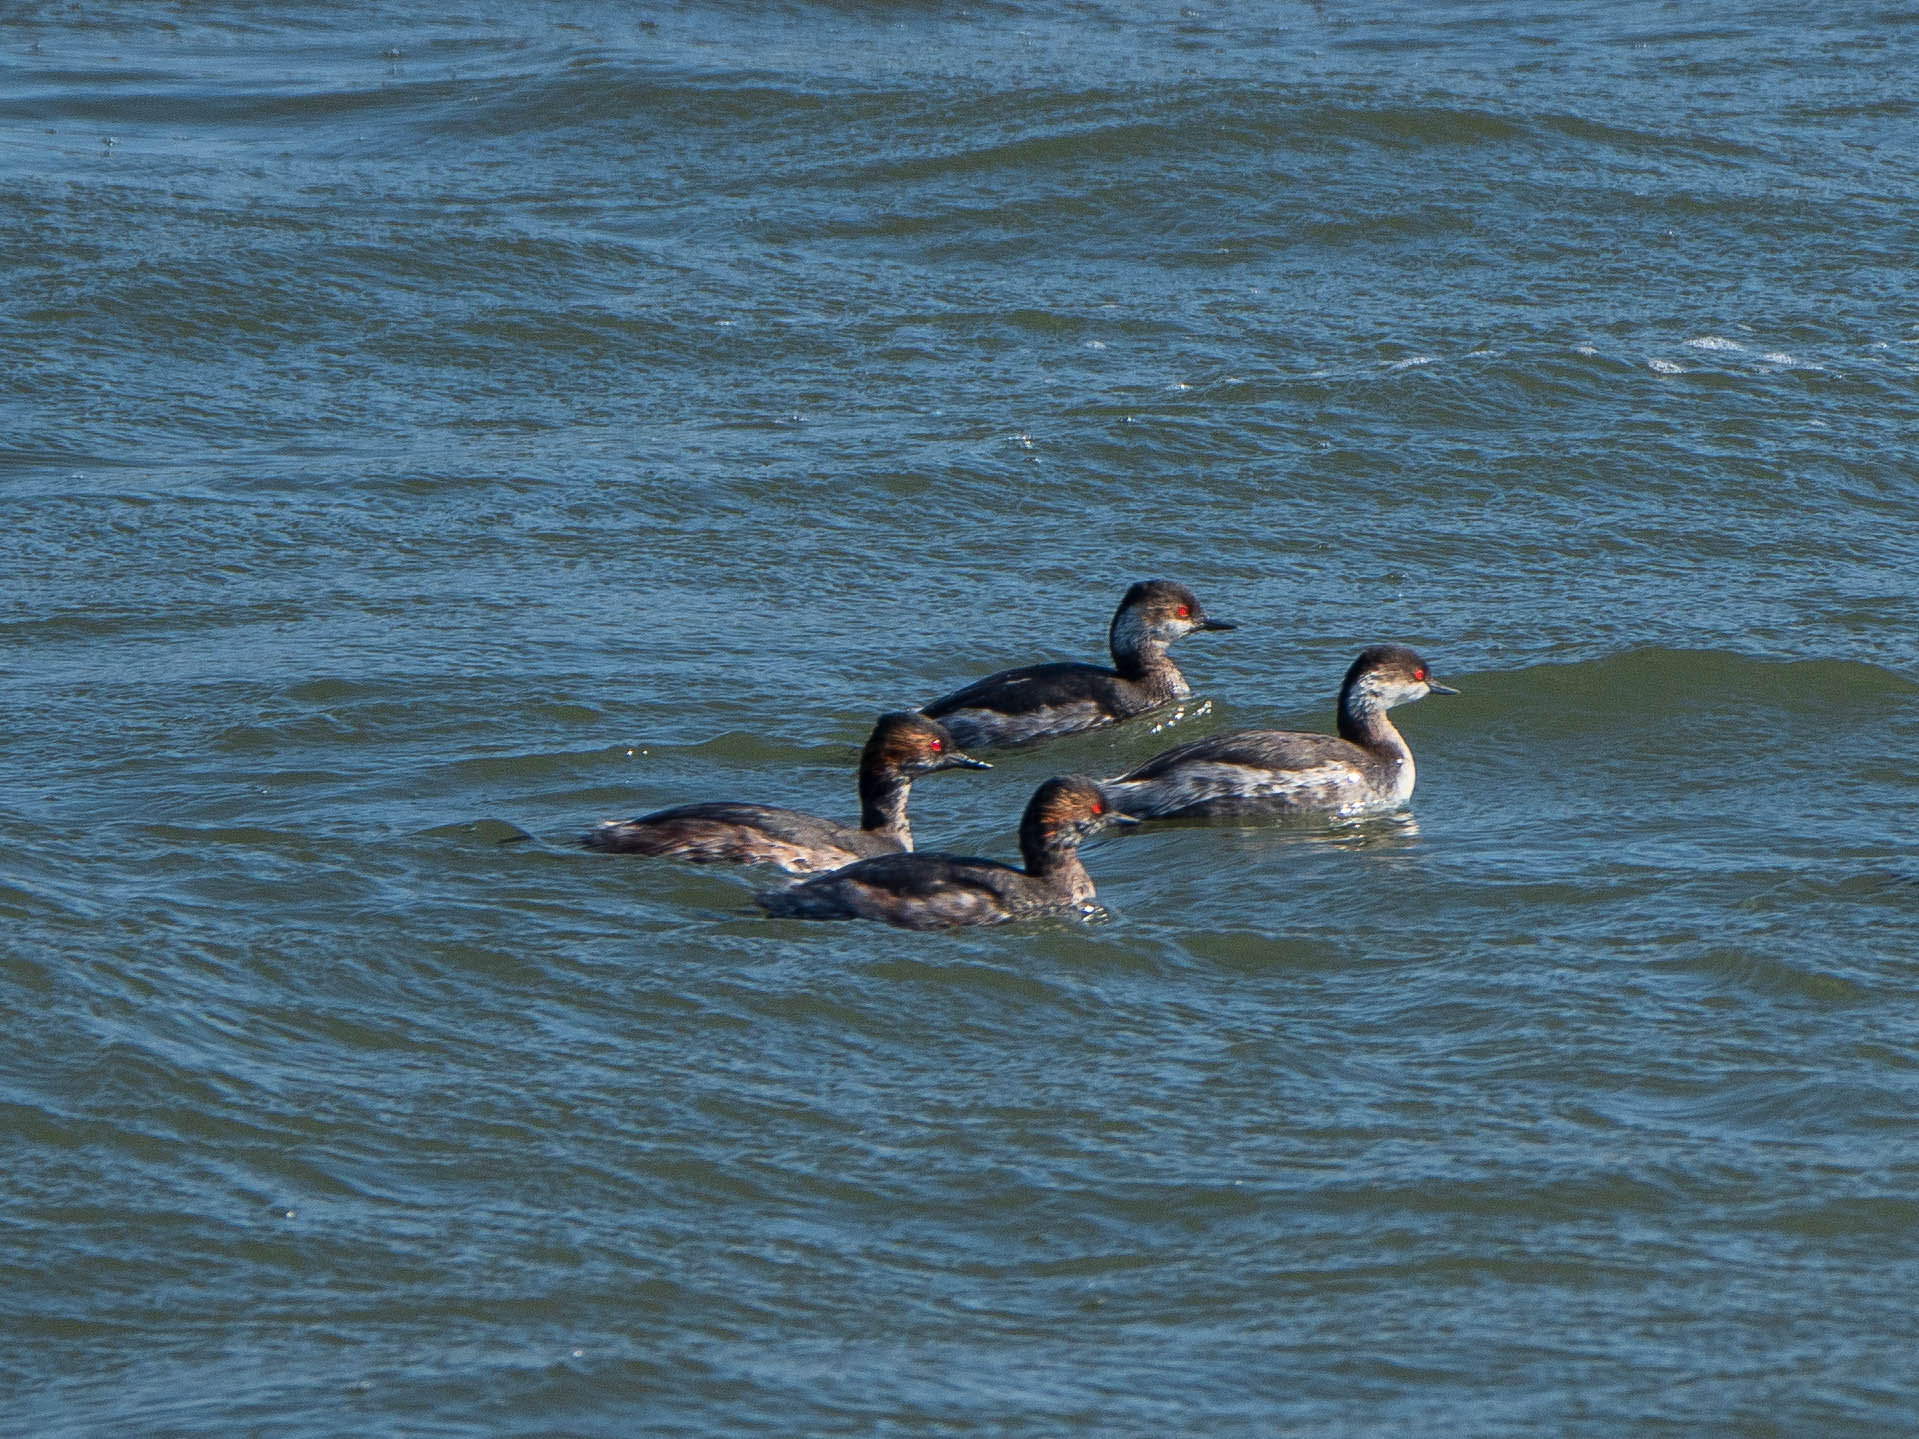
x=871, y=871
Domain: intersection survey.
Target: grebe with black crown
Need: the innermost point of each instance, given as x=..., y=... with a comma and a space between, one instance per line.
x=902, y=747
x=941, y=891
x=1046, y=701
x=1365, y=767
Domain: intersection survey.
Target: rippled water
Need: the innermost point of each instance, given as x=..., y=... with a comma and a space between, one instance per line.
x=423, y=435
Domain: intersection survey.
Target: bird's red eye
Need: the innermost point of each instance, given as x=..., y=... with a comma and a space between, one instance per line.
x=1098, y=808
x=1185, y=611
x=1420, y=673
x=938, y=745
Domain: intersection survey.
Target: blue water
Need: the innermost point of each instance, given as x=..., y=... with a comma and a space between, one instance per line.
x=425, y=435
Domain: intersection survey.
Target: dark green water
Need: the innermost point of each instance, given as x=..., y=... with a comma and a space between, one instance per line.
x=422, y=436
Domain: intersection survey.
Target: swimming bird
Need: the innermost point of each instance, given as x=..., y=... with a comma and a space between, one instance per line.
x=1367, y=766
x=1045, y=701
x=939, y=891
x=902, y=747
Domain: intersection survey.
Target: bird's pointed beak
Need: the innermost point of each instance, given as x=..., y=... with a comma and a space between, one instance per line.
x=1434, y=687
x=1209, y=623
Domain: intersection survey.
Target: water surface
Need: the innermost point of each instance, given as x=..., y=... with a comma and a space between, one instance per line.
x=422, y=436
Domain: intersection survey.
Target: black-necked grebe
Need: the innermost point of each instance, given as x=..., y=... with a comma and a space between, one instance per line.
x=902, y=747
x=1046, y=701
x=1367, y=766
x=939, y=891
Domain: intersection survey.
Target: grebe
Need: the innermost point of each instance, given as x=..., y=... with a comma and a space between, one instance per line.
x=1046, y=701
x=1367, y=766
x=939, y=891
x=902, y=747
